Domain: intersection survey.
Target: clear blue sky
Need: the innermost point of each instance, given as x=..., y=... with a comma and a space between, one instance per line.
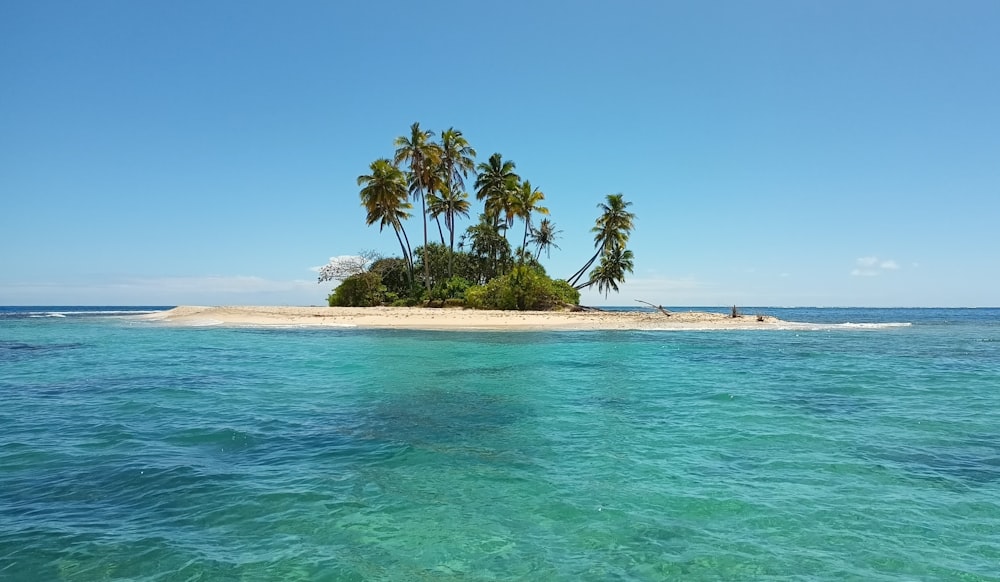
x=776, y=152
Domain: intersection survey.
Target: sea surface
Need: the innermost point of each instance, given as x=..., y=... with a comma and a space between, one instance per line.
x=131, y=450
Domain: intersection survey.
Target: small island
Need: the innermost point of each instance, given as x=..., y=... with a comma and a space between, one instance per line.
x=479, y=282
x=419, y=318
x=491, y=265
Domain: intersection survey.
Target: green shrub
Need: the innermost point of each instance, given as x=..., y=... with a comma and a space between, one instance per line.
x=565, y=292
x=405, y=302
x=524, y=288
x=453, y=288
x=361, y=290
x=476, y=297
x=456, y=287
x=454, y=302
x=395, y=276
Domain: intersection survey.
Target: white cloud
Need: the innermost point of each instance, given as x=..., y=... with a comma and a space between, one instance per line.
x=873, y=266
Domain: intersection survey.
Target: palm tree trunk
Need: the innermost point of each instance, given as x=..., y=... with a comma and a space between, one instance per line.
x=575, y=277
x=407, y=252
x=427, y=265
x=449, y=221
x=409, y=249
x=524, y=241
x=437, y=219
x=406, y=257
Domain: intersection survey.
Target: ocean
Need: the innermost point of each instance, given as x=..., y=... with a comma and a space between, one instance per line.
x=130, y=450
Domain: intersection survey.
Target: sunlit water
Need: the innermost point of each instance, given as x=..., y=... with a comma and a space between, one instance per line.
x=131, y=450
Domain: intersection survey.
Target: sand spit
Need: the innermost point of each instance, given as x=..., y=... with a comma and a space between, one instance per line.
x=455, y=319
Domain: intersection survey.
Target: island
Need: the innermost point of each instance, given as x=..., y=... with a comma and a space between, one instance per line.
x=457, y=319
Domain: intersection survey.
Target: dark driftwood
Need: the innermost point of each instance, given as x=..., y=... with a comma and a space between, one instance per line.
x=576, y=308
x=656, y=307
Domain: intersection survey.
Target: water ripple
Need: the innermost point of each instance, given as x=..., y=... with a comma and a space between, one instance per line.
x=166, y=454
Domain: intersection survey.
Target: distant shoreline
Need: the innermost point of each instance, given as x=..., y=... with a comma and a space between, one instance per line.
x=453, y=319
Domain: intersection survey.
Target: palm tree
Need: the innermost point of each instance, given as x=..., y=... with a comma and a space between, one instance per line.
x=544, y=237
x=494, y=184
x=612, y=270
x=457, y=158
x=523, y=202
x=450, y=204
x=423, y=157
x=611, y=232
x=384, y=196
x=434, y=203
x=490, y=250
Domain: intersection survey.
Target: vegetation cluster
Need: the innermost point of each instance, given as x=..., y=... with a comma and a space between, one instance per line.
x=483, y=270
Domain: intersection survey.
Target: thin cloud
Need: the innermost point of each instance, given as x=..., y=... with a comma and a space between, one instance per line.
x=216, y=284
x=873, y=266
x=194, y=290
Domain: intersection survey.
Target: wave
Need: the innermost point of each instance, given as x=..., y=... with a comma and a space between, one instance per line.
x=874, y=325
x=847, y=325
x=78, y=313
x=111, y=312
x=787, y=326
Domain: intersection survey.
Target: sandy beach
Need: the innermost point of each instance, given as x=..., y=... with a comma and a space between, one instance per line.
x=455, y=319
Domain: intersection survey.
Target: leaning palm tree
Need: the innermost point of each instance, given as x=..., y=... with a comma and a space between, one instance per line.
x=611, y=271
x=494, y=184
x=384, y=196
x=544, y=237
x=423, y=156
x=611, y=232
x=524, y=201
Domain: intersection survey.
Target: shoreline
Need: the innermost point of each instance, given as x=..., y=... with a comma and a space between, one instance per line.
x=456, y=319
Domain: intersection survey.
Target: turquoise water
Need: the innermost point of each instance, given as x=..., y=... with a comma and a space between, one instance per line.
x=131, y=451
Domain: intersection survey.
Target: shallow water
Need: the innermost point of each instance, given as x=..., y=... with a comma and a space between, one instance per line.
x=134, y=451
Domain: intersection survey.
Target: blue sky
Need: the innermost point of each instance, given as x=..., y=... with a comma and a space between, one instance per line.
x=776, y=152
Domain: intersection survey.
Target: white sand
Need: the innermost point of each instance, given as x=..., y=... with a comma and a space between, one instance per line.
x=455, y=319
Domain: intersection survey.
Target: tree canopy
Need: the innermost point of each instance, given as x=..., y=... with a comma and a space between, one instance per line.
x=485, y=271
